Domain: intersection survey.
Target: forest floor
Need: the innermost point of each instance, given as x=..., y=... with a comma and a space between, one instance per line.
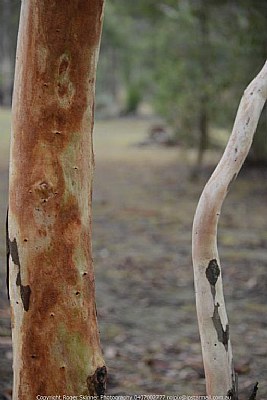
x=143, y=207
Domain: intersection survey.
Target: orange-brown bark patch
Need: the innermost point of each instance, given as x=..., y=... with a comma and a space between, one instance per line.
x=59, y=40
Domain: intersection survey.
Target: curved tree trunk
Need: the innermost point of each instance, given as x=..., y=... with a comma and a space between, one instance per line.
x=54, y=327
x=212, y=317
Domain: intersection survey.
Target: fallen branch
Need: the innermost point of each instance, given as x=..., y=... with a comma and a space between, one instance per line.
x=212, y=316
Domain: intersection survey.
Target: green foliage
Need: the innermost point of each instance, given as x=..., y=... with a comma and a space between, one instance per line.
x=133, y=99
x=190, y=59
x=200, y=65
x=120, y=69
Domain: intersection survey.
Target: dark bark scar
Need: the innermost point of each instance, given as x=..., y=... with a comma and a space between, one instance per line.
x=96, y=383
x=25, y=291
x=223, y=335
x=213, y=272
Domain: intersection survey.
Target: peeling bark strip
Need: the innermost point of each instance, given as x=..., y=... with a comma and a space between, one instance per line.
x=52, y=293
x=212, y=318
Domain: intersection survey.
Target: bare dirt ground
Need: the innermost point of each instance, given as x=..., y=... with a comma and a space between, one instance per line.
x=143, y=208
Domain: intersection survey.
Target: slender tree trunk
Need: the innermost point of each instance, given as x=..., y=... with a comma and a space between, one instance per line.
x=212, y=317
x=55, y=336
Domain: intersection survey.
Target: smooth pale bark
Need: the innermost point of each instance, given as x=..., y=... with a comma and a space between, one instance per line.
x=55, y=336
x=212, y=317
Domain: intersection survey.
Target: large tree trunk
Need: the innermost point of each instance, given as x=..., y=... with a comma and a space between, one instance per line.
x=212, y=317
x=54, y=327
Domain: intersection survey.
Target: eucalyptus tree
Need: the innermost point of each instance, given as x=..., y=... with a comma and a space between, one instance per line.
x=55, y=336
x=213, y=322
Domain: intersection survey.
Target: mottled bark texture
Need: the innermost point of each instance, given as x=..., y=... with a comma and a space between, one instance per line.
x=54, y=326
x=212, y=317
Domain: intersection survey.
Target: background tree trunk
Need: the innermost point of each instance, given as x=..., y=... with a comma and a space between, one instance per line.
x=203, y=15
x=7, y=68
x=54, y=327
x=204, y=131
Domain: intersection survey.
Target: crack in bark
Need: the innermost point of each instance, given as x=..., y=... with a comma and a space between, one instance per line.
x=25, y=291
x=223, y=335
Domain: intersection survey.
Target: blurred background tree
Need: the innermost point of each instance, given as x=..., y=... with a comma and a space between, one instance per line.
x=188, y=60
x=9, y=16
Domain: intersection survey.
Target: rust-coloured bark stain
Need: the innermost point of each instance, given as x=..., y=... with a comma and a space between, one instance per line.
x=57, y=346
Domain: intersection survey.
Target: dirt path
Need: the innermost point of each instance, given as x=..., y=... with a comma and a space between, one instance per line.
x=143, y=211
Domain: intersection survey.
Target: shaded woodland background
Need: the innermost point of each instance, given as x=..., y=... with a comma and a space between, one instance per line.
x=170, y=77
x=189, y=60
